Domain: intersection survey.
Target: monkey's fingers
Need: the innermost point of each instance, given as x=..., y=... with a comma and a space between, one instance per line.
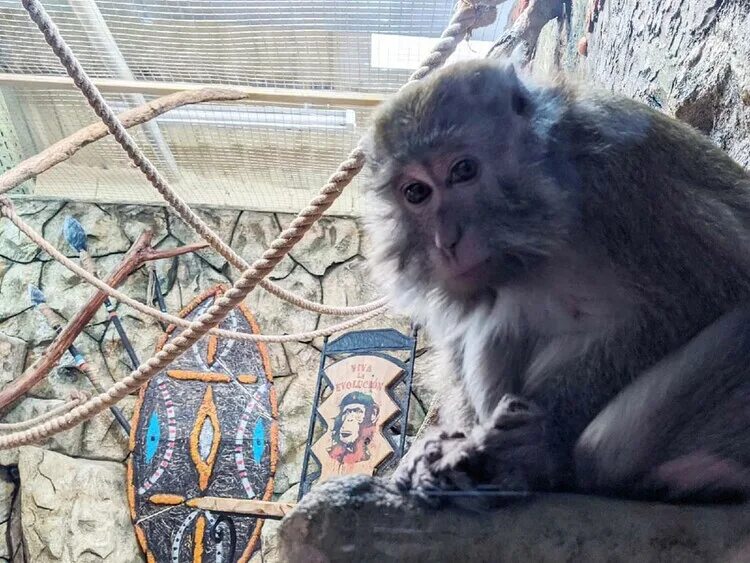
x=513, y=411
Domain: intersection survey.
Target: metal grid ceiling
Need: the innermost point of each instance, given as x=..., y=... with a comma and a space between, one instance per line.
x=269, y=157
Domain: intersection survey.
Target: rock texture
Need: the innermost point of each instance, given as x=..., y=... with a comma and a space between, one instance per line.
x=360, y=519
x=12, y=357
x=688, y=58
x=7, y=493
x=74, y=510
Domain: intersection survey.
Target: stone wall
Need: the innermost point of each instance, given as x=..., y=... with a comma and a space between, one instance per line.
x=687, y=58
x=57, y=511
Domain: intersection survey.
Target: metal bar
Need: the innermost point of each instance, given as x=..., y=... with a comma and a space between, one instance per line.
x=407, y=400
x=311, y=426
x=76, y=237
x=115, y=318
x=96, y=27
x=88, y=370
x=334, y=98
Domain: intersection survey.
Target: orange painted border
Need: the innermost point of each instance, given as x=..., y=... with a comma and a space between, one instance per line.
x=204, y=376
x=215, y=291
x=213, y=346
x=166, y=499
x=200, y=530
x=207, y=409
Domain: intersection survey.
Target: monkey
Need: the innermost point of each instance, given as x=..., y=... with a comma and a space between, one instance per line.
x=581, y=262
x=353, y=428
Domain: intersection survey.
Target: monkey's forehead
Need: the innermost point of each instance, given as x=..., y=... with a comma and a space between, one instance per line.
x=429, y=118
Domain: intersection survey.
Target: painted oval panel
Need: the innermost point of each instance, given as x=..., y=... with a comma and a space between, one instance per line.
x=205, y=426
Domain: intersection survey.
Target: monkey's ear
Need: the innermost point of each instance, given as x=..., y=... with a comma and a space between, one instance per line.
x=369, y=148
x=520, y=98
x=499, y=83
x=519, y=101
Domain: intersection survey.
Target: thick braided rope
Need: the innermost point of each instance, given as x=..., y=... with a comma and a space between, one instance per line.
x=119, y=132
x=468, y=16
x=221, y=307
x=7, y=209
x=76, y=399
x=198, y=328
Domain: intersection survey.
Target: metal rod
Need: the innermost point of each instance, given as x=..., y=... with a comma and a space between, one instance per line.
x=313, y=418
x=157, y=296
x=80, y=360
x=333, y=98
x=407, y=400
x=115, y=318
x=77, y=239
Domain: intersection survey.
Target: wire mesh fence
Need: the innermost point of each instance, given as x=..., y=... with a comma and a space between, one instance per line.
x=265, y=157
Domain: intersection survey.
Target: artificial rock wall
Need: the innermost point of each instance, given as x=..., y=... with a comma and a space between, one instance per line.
x=61, y=489
x=686, y=58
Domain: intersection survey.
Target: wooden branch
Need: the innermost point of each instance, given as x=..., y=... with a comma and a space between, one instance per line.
x=62, y=150
x=526, y=29
x=252, y=507
x=338, y=98
x=133, y=260
x=172, y=252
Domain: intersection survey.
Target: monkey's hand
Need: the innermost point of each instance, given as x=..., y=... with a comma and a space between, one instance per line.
x=505, y=454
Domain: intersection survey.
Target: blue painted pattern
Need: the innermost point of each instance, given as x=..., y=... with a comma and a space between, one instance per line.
x=153, y=434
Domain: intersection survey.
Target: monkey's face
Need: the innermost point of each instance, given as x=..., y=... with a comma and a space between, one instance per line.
x=452, y=201
x=352, y=418
x=460, y=197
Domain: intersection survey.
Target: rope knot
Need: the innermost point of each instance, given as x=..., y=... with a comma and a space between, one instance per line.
x=474, y=15
x=6, y=204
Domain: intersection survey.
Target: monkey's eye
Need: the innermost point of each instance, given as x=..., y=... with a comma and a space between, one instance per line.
x=417, y=192
x=463, y=171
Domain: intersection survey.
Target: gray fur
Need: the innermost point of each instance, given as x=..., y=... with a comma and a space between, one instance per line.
x=628, y=234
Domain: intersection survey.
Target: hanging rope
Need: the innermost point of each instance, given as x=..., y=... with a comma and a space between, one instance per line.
x=76, y=398
x=466, y=18
x=8, y=210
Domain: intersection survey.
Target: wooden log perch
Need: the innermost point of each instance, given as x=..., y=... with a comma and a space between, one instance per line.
x=252, y=507
x=140, y=253
x=65, y=148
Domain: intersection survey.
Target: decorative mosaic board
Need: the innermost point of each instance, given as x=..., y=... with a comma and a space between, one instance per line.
x=355, y=413
x=205, y=426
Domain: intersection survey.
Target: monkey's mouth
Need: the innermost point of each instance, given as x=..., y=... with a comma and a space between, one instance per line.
x=467, y=276
x=485, y=272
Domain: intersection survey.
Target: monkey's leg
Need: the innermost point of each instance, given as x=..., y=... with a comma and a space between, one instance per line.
x=681, y=431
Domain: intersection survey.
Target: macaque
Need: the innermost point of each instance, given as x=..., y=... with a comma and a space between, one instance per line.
x=353, y=428
x=582, y=262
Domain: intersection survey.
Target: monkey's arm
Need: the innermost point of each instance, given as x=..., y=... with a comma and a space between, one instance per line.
x=454, y=416
x=682, y=429
x=507, y=452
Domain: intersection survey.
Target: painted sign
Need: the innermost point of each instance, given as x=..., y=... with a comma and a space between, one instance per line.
x=355, y=412
x=205, y=426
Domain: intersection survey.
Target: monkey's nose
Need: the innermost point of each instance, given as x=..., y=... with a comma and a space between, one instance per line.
x=447, y=238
